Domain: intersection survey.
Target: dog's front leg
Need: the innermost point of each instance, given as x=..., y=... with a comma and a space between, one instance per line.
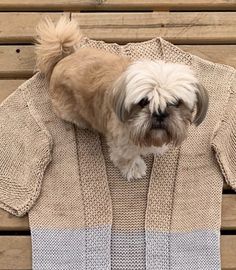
x=127, y=159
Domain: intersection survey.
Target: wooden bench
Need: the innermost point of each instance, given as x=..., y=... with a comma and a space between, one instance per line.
x=203, y=27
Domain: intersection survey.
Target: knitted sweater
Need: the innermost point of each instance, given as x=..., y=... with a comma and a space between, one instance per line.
x=84, y=215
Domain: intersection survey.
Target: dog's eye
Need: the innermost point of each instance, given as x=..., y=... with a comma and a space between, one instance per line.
x=143, y=102
x=174, y=104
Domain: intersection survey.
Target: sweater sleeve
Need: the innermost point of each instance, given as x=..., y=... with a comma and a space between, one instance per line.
x=24, y=155
x=224, y=140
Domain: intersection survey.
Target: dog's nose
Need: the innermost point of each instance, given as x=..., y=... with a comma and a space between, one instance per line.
x=160, y=116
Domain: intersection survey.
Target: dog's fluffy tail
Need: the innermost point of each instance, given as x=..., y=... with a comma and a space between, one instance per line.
x=55, y=42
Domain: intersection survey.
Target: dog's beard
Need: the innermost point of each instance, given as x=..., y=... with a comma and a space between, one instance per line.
x=144, y=131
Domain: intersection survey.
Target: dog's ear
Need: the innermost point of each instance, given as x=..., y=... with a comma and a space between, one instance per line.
x=202, y=104
x=118, y=99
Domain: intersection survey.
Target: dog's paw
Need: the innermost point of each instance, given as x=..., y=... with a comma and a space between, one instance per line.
x=135, y=169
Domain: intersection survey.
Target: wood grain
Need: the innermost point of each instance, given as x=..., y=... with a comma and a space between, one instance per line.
x=15, y=252
x=75, y=5
x=18, y=27
x=19, y=61
x=6, y=88
x=9, y=222
x=229, y=212
x=228, y=252
x=179, y=27
x=222, y=54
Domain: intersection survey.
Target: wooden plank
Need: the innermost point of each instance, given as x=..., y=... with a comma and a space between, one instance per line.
x=228, y=188
x=179, y=27
x=9, y=222
x=228, y=251
x=73, y=5
x=222, y=54
x=19, y=61
x=229, y=212
x=6, y=88
x=15, y=252
x=20, y=27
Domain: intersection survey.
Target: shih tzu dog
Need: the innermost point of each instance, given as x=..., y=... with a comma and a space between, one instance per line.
x=141, y=107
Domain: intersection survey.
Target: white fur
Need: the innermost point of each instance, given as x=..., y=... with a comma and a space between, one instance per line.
x=161, y=82
x=124, y=150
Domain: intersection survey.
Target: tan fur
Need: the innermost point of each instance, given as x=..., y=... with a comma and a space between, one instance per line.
x=81, y=87
x=54, y=42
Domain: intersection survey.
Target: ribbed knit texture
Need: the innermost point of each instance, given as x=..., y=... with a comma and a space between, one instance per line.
x=88, y=217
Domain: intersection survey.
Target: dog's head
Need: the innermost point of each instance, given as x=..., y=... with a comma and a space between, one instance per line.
x=157, y=101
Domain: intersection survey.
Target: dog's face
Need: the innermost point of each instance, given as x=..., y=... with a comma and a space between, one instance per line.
x=156, y=101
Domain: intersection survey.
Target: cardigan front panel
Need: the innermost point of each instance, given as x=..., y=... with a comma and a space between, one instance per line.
x=96, y=200
x=57, y=220
x=129, y=199
x=196, y=217
x=203, y=187
x=61, y=176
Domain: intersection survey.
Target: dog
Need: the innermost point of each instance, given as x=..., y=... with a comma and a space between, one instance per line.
x=141, y=107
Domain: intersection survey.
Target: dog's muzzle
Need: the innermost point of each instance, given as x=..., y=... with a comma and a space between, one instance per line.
x=158, y=119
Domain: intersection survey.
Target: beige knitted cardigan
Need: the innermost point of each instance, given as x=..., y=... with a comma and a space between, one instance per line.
x=84, y=215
